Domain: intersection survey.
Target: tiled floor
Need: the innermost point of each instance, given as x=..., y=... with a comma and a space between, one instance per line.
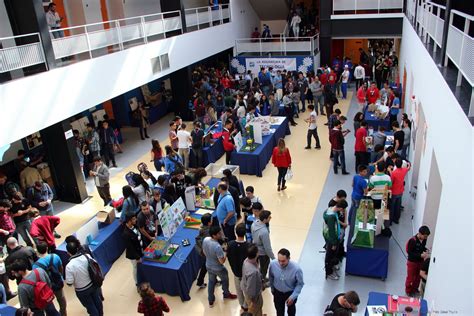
x=296, y=225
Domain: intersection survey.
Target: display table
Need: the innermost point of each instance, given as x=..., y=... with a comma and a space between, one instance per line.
x=7, y=310
x=175, y=277
x=369, y=262
x=381, y=299
x=255, y=162
x=374, y=122
x=109, y=248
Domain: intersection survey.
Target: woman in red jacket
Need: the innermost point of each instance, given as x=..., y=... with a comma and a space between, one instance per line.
x=281, y=159
x=227, y=140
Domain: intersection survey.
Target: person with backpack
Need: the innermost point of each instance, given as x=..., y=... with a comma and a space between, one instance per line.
x=172, y=160
x=52, y=264
x=332, y=235
x=34, y=290
x=83, y=273
x=130, y=203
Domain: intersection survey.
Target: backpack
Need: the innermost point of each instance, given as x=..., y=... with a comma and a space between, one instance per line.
x=178, y=166
x=57, y=282
x=129, y=178
x=43, y=295
x=95, y=272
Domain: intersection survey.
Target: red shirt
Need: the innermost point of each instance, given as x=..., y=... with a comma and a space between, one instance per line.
x=43, y=227
x=282, y=160
x=228, y=145
x=6, y=222
x=360, y=143
x=323, y=78
x=361, y=95
x=332, y=78
x=398, y=177
x=154, y=308
x=225, y=82
x=372, y=95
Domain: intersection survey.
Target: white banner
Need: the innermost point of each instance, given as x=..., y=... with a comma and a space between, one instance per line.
x=254, y=64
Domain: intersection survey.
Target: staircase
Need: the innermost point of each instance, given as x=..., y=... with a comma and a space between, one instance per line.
x=271, y=9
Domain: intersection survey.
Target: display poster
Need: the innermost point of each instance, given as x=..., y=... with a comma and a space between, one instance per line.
x=255, y=64
x=171, y=217
x=257, y=133
x=238, y=141
x=190, y=196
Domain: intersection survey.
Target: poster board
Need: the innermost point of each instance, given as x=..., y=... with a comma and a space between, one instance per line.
x=257, y=133
x=98, y=116
x=81, y=125
x=239, y=141
x=91, y=228
x=171, y=217
x=190, y=197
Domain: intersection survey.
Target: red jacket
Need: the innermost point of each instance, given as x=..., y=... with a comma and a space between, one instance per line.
x=42, y=228
x=372, y=95
x=281, y=159
x=361, y=95
x=226, y=141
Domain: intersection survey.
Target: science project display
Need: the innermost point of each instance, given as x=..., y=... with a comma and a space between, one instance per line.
x=171, y=217
x=364, y=226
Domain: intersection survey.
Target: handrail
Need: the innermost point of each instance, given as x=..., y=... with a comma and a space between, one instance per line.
x=436, y=5
x=278, y=45
x=18, y=36
x=464, y=15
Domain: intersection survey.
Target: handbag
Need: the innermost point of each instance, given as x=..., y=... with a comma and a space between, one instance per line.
x=289, y=175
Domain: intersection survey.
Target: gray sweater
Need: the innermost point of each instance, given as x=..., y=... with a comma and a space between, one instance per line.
x=261, y=238
x=26, y=292
x=251, y=283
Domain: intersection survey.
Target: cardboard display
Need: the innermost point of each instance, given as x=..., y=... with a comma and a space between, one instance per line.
x=190, y=197
x=257, y=133
x=91, y=228
x=239, y=141
x=107, y=215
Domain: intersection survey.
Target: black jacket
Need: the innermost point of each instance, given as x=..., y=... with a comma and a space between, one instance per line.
x=133, y=248
x=24, y=253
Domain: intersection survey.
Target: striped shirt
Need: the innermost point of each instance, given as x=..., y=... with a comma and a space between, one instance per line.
x=378, y=182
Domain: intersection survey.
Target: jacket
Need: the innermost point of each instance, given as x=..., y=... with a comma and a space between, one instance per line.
x=26, y=253
x=133, y=248
x=226, y=141
x=94, y=141
x=42, y=228
x=331, y=227
x=251, y=283
x=29, y=176
x=34, y=196
x=281, y=159
x=102, y=177
x=261, y=238
x=107, y=136
x=129, y=207
x=172, y=163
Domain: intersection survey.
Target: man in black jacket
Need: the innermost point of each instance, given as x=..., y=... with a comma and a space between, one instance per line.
x=417, y=253
x=133, y=243
x=15, y=251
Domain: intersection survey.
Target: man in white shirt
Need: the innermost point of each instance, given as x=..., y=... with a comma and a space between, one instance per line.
x=54, y=20
x=77, y=275
x=359, y=75
x=184, y=139
x=295, y=24
x=345, y=81
x=312, y=128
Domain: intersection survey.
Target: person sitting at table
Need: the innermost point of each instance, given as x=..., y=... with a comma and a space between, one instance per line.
x=148, y=224
x=133, y=244
x=172, y=160
x=130, y=203
x=346, y=301
x=227, y=141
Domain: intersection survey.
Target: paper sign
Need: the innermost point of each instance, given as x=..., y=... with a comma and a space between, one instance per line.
x=190, y=196
x=238, y=140
x=68, y=134
x=257, y=133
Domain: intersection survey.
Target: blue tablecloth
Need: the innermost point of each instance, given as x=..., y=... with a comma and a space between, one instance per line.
x=374, y=122
x=376, y=298
x=255, y=162
x=175, y=277
x=109, y=248
x=370, y=262
x=209, y=154
x=7, y=310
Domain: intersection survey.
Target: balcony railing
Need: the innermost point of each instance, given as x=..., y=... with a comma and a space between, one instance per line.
x=278, y=45
x=366, y=6
x=92, y=40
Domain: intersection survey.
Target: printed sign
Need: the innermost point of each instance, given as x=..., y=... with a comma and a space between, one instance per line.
x=254, y=64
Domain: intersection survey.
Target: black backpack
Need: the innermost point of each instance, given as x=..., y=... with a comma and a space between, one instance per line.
x=95, y=272
x=55, y=276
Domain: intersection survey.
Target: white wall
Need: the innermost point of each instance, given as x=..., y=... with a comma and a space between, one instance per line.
x=276, y=26
x=52, y=96
x=450, y=136
x=132, y=8
x=115, y=9
x=75, y=12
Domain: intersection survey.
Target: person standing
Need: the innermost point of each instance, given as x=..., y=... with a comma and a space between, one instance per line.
x=330, y=100
x=93, y=140
x=251, y=283
x=344, y=301
x=261, y=238
x=379, y=182
x=101, y=176
x=156, y=154
x=295, y=24
x=77, y=275
x=359, y=75
x=417, y=253
x=398, y=187
x=7, y=227
x=237, y=252
x=336, y=137
x=225, y=211
x=107, y=143
x=147, y=223
x=20, y=213
x=281, y=159
x=143, y=122
x=134, y=244
x=288, y=106
x=316, y=88
x=206, y=223
x=184, y=140
x=197, y=136
x=398, y=138
x=174, y=142
x=332, y=236
x=277, y=82
x=286, y=282
x=303, y=88
x=312, y=129
x=227, y=141
x=345, y=81
x=40, y=197
x=54, y=21
x=359, y=189
x=28, y=176
x=360, y=148
x=215, y=259
x=151, y=304
x=43, y=229
x=373, y=93
x=406, y=141
x=362, y=96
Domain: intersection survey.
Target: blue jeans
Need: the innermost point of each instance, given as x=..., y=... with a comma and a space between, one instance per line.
x=158, y=164
x=338, y=155
x=303, y=101
x=320, y=100
x=223, y=276
x=90, y=299
x=405, y=151
x=344, y=90
x=353, y=210
x=266, y=90
x=395, y=208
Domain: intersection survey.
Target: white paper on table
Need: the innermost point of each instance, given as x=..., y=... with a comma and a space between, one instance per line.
x=376, y=310
x=203, y=211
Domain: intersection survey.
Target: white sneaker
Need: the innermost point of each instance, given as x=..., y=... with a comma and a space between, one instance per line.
x=337, y=267
x=332, y=277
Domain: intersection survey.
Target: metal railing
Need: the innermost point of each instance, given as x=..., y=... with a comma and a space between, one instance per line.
x=96, y=39
x=280, y=45
x=366, y=6
x=21, y=51
x=203, y=17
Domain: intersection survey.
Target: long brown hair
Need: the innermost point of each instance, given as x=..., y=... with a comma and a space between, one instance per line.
x=281, y=145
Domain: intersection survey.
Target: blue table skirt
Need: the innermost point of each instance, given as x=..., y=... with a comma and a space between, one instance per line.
x=376, y=298
x=210, y=154
x=7, y=310
x=109, y=248
x=375, y=122
x=369, y=262
x=255, y=162
x=175, y=277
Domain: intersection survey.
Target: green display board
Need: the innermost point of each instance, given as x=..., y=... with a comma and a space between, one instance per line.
x=364, y=237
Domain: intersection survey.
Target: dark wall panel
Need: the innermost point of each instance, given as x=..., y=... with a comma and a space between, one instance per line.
x=367, y=27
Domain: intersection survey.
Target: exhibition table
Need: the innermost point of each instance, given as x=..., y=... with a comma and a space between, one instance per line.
x=374, y=122
x=255, y=162
x=369, y=262
x=7, y=310
x=109, y=246
x=381, y=299
x=175, y=277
